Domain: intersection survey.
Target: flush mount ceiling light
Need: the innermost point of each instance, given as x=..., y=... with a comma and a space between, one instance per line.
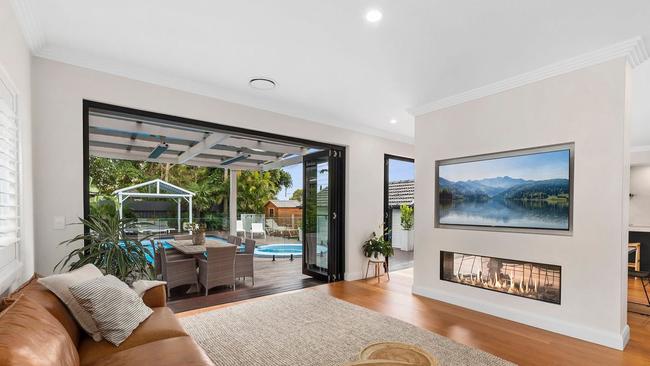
x=393, y=121
x=262, y=83
x=373, y=16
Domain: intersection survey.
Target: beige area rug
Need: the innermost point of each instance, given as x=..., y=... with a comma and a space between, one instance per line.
x=311, y=328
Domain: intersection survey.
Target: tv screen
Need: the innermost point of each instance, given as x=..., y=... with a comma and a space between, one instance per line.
x=518, y=190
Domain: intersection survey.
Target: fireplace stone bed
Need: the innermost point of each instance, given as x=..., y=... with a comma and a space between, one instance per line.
x=531, y=280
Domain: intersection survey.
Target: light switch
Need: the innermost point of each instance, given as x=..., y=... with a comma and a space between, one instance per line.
x=59, y=222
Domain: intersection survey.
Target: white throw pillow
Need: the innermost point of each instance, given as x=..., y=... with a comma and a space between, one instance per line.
x=59, y=284
x=116, y=308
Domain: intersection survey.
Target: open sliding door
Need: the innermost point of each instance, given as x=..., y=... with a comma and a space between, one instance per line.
x=323, y=209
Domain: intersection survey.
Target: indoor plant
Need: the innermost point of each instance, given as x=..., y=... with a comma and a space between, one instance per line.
x=406, y=218
x=105, y=246
x=377, y=247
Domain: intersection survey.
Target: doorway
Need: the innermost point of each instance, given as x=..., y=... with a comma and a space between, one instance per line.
x=399, y=206
x=231, y=181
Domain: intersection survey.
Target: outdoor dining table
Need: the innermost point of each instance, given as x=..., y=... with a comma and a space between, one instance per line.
x=186, y=246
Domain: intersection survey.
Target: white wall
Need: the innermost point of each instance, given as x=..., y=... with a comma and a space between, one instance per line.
x=640, y=202
x=15, y=59
x=58, y=93
x=587, y=107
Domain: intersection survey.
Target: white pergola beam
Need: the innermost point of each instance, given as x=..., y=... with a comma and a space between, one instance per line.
x=144, y=128
x=150, y=144
x=282, y=163
x=265, y=145
x=232, y=203
x=139, y=156
x=203, y=146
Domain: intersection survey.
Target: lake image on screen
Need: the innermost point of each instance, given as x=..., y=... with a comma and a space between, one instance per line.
x=525, y=191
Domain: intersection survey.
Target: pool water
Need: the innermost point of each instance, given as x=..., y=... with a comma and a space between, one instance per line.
x=284, y=250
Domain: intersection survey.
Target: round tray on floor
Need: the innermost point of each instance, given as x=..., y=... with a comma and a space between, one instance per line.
x=393, y=354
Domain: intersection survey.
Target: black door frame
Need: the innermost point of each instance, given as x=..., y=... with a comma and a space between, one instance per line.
x=335, y=151
x=388, y=218
x=336, y=203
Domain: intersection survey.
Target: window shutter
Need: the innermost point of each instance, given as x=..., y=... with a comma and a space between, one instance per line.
x=9, y=181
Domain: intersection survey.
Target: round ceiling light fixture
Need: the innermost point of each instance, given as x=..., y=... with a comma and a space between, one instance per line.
x=374, y=15
x=393, y=121
x=262, y=83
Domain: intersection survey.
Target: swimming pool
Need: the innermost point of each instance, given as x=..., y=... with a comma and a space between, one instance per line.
x=284, y=250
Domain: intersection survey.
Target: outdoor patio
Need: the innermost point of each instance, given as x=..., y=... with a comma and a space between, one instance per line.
x=270, y=277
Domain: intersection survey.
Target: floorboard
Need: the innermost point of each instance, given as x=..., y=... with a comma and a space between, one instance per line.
x=512, y=341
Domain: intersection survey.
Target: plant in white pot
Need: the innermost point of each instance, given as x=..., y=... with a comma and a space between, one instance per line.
x=377, y=248
x=406, y=217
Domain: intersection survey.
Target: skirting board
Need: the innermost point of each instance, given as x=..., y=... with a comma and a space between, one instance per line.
x=612, y=340
x=353, y=276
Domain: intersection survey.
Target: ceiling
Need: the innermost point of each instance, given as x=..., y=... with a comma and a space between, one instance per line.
x=135, y=137
x=331, y=65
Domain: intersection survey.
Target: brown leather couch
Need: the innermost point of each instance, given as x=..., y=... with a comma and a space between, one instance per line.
x=36, y=329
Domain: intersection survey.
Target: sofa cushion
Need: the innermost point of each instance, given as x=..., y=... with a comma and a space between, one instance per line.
x=59, y=284
x=46, y=298
x=168, y=352
x=162, y=324
x=116, y=309
x=31, y=336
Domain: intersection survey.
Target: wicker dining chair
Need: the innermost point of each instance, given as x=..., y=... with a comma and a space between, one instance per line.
x=244, y=265
x=234, y=240
x=172, y=254
x=177, y=270
x=218, y=268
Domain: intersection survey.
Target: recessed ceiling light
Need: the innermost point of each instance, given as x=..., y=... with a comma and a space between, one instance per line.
x=262, y=83
x=393, y=121
x=374, y=16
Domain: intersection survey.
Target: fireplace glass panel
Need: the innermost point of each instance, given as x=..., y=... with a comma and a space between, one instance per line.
x=526, y=279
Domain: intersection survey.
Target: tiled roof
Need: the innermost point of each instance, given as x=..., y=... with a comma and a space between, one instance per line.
x=401, y=192
x=286, y=203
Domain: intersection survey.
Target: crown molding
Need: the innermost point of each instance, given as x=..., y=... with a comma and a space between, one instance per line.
x=32, y=31
x=143, y=74
x=634, y=50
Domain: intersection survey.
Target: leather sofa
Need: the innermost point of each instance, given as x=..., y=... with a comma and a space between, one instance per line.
x=37, y=329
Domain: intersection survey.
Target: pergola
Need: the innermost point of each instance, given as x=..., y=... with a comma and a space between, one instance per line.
x=119, y=135
x=162, y=190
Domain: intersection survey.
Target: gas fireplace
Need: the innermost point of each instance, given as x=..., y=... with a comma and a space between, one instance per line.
x=526, y=279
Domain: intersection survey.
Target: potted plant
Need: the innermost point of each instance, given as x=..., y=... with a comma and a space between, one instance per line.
x=377, y=247
x=406, y=218
x=106, y=246
x=198, y=232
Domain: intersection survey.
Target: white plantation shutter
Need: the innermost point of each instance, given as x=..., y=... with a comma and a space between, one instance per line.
x=9, y=184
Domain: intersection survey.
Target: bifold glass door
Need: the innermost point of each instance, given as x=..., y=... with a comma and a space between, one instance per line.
x=322, y=220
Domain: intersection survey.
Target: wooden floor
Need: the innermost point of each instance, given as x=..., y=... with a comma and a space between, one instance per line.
x=512, y=341
x=635, y=292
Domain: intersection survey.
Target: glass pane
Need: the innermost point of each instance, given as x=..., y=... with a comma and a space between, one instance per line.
x=317, y=214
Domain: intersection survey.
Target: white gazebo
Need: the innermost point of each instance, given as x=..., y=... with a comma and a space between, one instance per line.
x=156, y=188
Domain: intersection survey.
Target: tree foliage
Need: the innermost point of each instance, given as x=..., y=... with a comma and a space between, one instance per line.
x=210, y=185
x=297, y=195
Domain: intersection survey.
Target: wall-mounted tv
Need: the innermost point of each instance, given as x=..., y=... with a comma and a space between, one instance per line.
x=529, y=190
